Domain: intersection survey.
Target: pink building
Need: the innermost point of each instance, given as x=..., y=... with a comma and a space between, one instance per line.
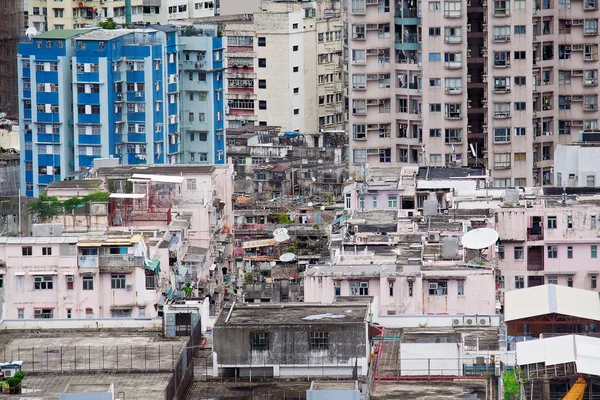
x=555, y=244
x=87, y=277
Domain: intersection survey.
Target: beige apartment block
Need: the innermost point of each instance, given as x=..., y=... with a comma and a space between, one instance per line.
x=285, y=66
x=451, y=83
x=46, y=15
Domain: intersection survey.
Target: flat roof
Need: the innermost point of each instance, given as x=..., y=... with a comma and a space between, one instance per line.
x=105, y=34
x=156, y=169
x=548, y=299
x=451, y=172
x=73, y=184
x=61, y=33
x=335, y=385
x=584, y=351
x=294, y=314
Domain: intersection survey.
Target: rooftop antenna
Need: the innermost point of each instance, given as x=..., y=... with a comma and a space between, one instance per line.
x=564, y=197
x=425, y=160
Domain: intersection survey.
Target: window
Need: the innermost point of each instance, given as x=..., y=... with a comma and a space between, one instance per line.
x=520, y=55
x=520, y=157
x=44, y=313
x=569, y=251
x=26, y=250
x=296, y=111
x=296, y=69
x=150, y=282
x=262, y=42
x=20, y=313
x=392, y=202
x=501, y=7
x=520, y=29
x=391, y=288
x=117, y=281
x=69, y=279
x=501, y=58
x=435, y=158
x=435, y=133
x=570, y=281
x=452, y=9
x=519, y=253
x=259, y=340
x=319, y=340
x=296, y=90
x=46, y=251
x=262, y=63
x=295, y=48
x=439, y=288
x=594, y=279
x=191, y=184
x=44, y=282
x=262, y=104
x=435, y=107
x=551, y=222
x=89, y=313
x=359, y=288
x=552, y=251
x=452, y=110
x=593, y=222
x=434, y=6
x=461, y=288
x=337, y=290
x=435, y=57
x=569, y=221
x=434, y=31
x=520, y=131
x=594, y=251
x=552, y=280
x=88, y=283
x=591, y=27
x=453, y=136
x=519, y=106
x=519, y=282
x=501, y=252
x=374, y=202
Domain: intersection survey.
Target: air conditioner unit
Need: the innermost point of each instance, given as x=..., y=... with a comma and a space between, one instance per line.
x=568, y=48
x=364, y=284
x=138, y=94
x=484, y=321
x=128, y=287
x=456, y=322
x=568, y=123
x=433, y=286
x=469, y=321
x=433, y=237
x=69, y=279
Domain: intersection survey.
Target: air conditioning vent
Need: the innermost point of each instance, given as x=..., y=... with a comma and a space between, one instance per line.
x=469, y=321
x=128, y=287
x=456, y=322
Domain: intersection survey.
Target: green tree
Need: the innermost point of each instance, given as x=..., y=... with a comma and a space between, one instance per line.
x=282, y=218
x=45, y=207
x=512, y=388
x=108, y=24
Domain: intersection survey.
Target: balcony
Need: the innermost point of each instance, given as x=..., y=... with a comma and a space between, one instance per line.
x=501, y=38
x=501, y=114
x=501, y=63
x=408, y=42
x=590, y=82
x=501, y=12
x=502, y=89
x=453, y=90
x=87, y=262
x=452, y=39
x=120, y=263
x=590, y=107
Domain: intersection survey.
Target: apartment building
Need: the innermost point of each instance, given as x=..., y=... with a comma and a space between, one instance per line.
x=185, y=9
x=45, y=16
x=552, y=244
x=463, y=84
x=301, y=92
x=79, y=277
x=87, y=94
x=202, y=96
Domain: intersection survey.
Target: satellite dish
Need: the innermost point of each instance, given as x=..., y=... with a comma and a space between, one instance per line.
x=282, y=237
x=314, y=179
x=280, y=231
x=273, y=263
x=322, y=208
x=287, y=257
x=479, y=238
x=310, y=204
x=31, y=32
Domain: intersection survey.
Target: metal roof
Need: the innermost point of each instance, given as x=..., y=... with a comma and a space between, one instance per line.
x=61, y=33
x=584, y=351
x=548, y=299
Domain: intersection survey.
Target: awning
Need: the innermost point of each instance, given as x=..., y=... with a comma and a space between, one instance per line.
x=121, y=307
x=258, y=243
x=127, y=195
x=159, y=178
x=153, y=265
x=43, y=273
x=19, y=273
x=68, y=273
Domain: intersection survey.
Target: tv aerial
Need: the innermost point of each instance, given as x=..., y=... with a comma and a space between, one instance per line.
x=479, y=240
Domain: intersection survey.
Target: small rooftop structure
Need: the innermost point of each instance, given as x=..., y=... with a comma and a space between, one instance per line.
x=104, y=34
x=583, y=351
x=294, y=314
x=339, y=390
x=76, y=184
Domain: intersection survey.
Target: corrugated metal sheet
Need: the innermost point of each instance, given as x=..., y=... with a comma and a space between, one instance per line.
x=547, y=299
x=258, y=243
x=584, y=351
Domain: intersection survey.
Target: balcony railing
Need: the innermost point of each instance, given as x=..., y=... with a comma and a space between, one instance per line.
x=87, y=261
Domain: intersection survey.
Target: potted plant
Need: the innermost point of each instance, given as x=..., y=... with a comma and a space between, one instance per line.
x=14, y=382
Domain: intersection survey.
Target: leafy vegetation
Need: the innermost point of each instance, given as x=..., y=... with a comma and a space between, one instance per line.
x=109, y=24
x=188, y=290
x=282, y=218
x=15, y=381
x=512, y=387
x=248, y=278
x=46, y=207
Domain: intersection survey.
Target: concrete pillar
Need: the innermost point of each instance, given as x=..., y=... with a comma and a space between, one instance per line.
x=545, y=390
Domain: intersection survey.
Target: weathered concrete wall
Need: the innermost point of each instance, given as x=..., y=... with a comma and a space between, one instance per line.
x=289, y=345
x=86, y=323
x=421, y=359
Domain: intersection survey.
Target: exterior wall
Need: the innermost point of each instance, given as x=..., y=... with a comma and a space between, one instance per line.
x=576, y=166
x=63, y=264
x=232, y=7
x=513, y=226
x=184, y=9
x=420, y=359
x=202, y=119
x=288, y=346
x=478, y=298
